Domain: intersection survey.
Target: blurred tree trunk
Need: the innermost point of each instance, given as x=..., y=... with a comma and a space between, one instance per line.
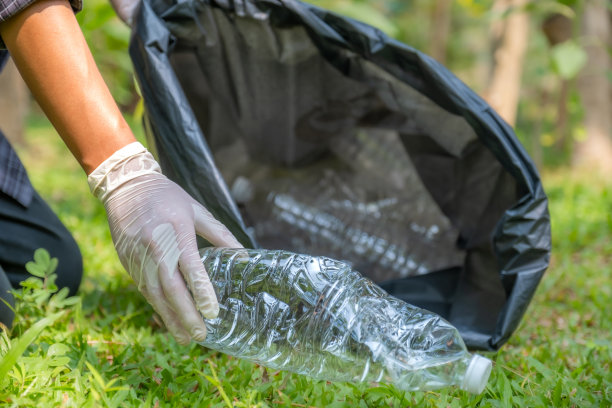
x=558, y=29
x=510, y=35
x=594, y=87
x=440, y=29
x=14, y=103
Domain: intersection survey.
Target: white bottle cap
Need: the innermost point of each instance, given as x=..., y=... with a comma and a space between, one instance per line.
x=477, y=374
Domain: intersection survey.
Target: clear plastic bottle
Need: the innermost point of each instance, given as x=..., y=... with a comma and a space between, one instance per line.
x=384, y=234
x=363, y=202
x=316, y=316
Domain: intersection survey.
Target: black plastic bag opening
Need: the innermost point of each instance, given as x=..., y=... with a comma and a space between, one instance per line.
x=303, y=130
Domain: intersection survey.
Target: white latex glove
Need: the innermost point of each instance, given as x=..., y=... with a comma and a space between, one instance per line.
x=153, y=223
x=125, y=9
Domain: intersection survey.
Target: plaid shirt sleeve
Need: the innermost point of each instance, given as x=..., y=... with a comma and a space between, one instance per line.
x=8, y=8
x=14, y=181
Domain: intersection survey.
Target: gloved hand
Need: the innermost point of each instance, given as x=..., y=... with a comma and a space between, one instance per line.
x=153, y=223
x=125, y=9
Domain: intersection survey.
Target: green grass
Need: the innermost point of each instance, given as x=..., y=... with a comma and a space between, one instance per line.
x=105, y=348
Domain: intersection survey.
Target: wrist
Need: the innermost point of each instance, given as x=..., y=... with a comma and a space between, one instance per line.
x=123, y=166
x=102, y=141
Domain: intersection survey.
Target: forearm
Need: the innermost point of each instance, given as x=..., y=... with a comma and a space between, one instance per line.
x=50, y=51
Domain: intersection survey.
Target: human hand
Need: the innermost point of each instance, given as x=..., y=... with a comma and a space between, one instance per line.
x=153, y=224
x=125, y=9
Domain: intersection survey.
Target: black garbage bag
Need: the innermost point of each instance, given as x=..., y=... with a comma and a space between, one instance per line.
x=303, y=130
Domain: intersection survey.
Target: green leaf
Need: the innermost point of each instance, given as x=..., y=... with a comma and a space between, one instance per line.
x=42, y=257
x=506, y=391
x=541, y=368
x=59, y=361
x=35, y=269
x=567, y=59
x=557, y=393
x=167, y=376
x=97, y=377
x=120, y=396
x=52, y=266
x=24, y=341
x=57, y=349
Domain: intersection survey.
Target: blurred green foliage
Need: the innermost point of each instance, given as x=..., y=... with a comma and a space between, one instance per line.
x=567, y=59
x=468, y=55
x=108, y=39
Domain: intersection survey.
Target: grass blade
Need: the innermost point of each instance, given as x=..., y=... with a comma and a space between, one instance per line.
x=215, y=381
x=24, y=341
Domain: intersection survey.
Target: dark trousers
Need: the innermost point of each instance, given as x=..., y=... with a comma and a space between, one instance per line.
x=22, y=231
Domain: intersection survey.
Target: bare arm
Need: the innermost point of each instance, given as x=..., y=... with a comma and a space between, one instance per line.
x=153, y=222
x=50, y=51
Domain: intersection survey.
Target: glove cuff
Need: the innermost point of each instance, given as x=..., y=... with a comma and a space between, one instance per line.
x=124, y=165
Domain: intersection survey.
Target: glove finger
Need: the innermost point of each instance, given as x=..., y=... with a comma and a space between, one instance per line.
x=166, y=250
x=210, y=228
x=181, y=302
x=198, y=280
x=155, y=297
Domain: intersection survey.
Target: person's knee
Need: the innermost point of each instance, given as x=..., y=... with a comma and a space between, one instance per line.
x=7, y=303
x=70, y=264
x=37, y=226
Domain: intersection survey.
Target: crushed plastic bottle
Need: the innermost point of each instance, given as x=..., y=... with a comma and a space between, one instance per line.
x=360, y=232
x=363, y=202
x=315, y=316
x=384, y=233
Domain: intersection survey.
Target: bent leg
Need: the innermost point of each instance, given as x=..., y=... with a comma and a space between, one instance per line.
x=23, y=230
x=6, y=313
